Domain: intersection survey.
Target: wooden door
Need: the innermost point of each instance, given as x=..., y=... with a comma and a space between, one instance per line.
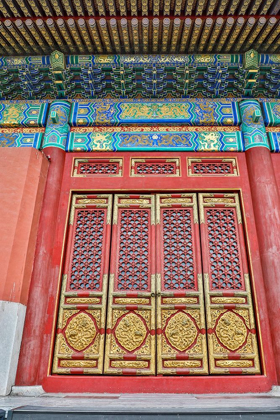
x=181, y=332
x=232, y=340
x=130, y=334
x=79, y=344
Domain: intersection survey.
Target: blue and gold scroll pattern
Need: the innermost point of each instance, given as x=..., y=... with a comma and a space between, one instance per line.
x=271, y=112
x=158, y=139
x=253, y=125
x=274, y=138
x=21, y=137
x=23, y=114
x=133, y=112
x=57, y=125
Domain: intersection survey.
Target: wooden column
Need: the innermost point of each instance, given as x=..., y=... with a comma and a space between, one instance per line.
x=266, y=203
x=45, y=266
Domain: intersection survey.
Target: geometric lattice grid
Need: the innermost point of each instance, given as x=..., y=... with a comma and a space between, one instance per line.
x=98, y=168
x=178, y=249
x=133, y=265
x=155, y=168
x=223, y=248
x=87, y=250
x=212, y=168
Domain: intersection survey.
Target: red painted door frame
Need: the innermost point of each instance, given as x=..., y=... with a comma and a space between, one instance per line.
x=183, y=183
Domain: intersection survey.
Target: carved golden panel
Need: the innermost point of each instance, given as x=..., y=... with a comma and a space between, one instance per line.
x=231, y=331
x=78, y=363
x=234, y=363
x=130, y=332
x=131, y=301
x=172, y=300
x=182, y=363
x=80, y=332
x=181, y=331
x=136, y=364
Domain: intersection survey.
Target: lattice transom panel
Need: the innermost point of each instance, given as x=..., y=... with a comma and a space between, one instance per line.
x=155, y=167
x=97, y=167
x=212, y=167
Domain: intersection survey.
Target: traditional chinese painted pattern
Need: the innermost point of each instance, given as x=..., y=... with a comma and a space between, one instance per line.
x=57, y=125
x=271, y=112
x=253, y=125
x=155, y=140
x=274, y=139
x=124, y=112
x=23, y=114
x=21, y=137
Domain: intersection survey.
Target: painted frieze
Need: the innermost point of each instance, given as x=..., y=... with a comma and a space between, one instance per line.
x=21, y=137
x=129, y=112
x=155, y=138
x=271, y=112
x=273, y=134
x=23, y=114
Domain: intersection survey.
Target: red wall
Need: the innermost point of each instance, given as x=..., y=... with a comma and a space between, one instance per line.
x=22, y=182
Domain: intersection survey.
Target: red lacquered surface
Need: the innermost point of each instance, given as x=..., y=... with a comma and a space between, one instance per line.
x=266, y=202
x=48, y=313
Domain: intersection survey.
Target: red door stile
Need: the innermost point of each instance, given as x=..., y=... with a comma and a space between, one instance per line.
x=181, y=332
x=130, y=335
x=79, y=345
x=231, y=332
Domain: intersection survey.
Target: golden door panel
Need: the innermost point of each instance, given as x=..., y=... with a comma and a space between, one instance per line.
x=79, y=346
x=130, y=334
x=232, y=340
x=181, y=339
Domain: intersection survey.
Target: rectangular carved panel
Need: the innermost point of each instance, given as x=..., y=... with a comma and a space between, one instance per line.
x=79, y=346
x=181, y=339
x=130, y=335
x=155, y=167
x=232, y=340
x=212, y=167
x=92, y=167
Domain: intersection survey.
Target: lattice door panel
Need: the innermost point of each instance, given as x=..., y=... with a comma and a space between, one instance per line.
x=79, y=346
x=231, y=333
x=130, y=335
x=181, y=339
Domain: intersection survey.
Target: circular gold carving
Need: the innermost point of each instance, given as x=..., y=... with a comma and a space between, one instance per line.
x=80, y=331
x=181, y=331
x=231, y=331
x=130, y=332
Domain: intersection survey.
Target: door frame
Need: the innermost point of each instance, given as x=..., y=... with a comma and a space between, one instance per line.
x=183, y=183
